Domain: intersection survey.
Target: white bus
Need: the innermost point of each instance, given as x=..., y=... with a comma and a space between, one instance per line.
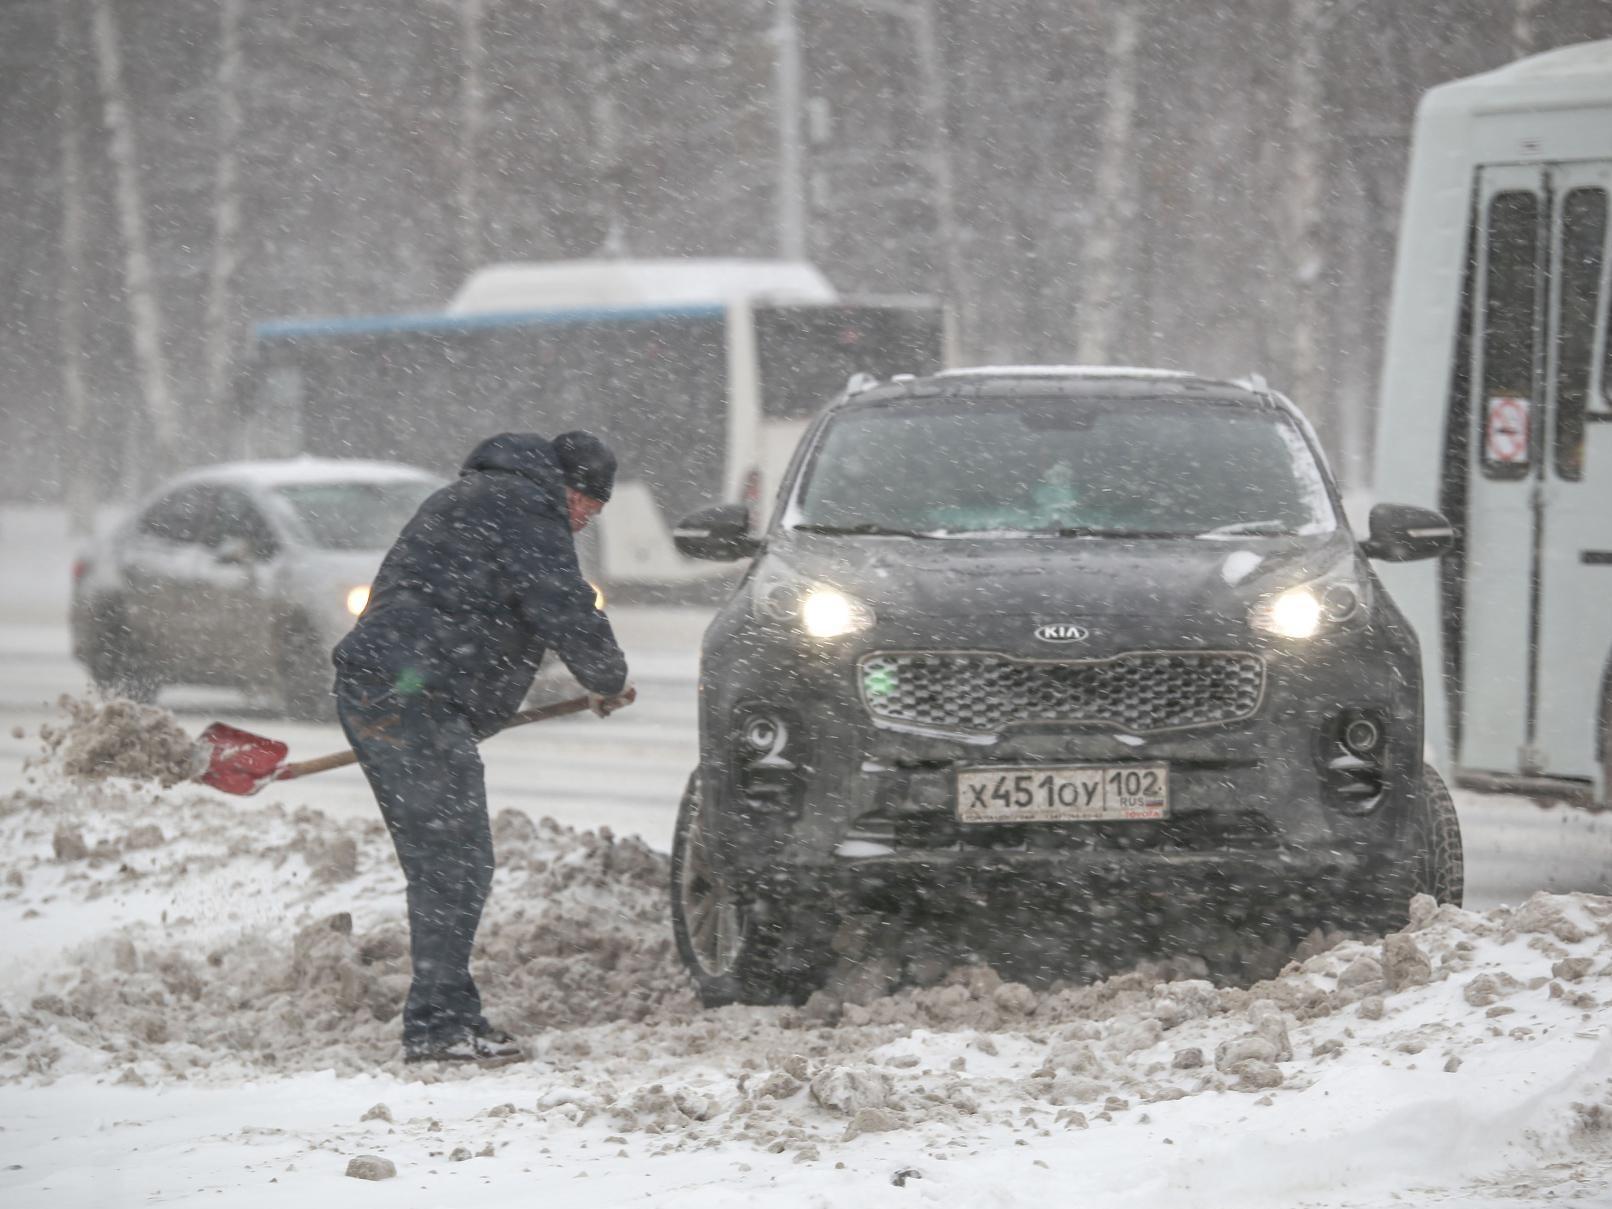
x=1496, y=409
x=701, y=373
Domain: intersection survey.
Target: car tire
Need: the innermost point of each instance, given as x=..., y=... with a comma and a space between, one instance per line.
x=1606, y=742
x=738, y=947
x=1428, y=860
x=302, y=664
x=1435, y=842
x=117, y=667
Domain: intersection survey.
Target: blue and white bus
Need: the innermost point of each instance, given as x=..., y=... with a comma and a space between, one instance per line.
x=701, y=373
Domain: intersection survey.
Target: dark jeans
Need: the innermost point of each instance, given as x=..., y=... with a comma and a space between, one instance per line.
x=421, y=760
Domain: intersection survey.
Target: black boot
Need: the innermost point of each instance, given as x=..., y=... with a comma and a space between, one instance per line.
x=487, y=1046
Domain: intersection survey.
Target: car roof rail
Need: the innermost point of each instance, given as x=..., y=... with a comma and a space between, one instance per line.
x=859, y=382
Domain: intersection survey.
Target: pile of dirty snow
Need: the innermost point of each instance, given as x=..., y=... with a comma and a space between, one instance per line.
x=114, y=737
x=264, y=938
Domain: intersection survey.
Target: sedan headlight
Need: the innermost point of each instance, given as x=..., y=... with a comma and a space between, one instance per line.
x=819, y=610
x=1305, y=610
x=357, y=599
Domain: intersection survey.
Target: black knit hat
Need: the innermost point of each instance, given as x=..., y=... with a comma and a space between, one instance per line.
x=586, y=464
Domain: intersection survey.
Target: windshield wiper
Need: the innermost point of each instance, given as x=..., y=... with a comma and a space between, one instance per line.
x=1093, y=531
x=860, y=529
x=1253, y=528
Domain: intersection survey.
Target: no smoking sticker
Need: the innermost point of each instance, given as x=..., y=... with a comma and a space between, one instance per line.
x=1505, y=431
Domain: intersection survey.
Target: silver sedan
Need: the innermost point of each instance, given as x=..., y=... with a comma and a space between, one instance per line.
x=243, y=574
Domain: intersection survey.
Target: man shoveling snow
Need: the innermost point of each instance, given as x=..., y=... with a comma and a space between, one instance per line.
x=479, y=584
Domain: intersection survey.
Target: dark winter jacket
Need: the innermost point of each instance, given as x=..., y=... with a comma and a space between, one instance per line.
x=477, y=586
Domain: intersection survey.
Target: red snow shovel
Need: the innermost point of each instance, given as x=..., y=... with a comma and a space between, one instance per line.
x=240, y=762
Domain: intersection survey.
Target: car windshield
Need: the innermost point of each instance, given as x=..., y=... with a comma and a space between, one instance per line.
x=1071, y=467
x=355, y=516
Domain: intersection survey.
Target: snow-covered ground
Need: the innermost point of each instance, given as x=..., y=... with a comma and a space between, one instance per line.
x=198, y=998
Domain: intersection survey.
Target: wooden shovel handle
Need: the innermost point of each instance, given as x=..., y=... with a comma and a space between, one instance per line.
x=302, y=768
x=341, y=759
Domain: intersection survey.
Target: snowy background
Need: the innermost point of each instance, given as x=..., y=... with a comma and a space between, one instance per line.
x=1210, y=186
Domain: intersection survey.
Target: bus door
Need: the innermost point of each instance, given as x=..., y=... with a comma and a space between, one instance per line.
x=1505, y=505
x=1575, y=470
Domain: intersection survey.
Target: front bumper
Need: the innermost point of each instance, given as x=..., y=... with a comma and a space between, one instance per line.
x=959, y=878
x=856, y=810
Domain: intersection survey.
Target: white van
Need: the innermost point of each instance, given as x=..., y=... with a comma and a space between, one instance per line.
x=1496, y=409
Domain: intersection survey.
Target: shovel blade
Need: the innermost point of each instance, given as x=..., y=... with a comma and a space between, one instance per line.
x=237, y=760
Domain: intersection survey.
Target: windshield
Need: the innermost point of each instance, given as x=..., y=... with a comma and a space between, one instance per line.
x=355, y=516
x=1077, y=467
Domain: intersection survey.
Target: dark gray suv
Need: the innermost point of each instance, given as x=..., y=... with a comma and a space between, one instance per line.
x=1019, y=644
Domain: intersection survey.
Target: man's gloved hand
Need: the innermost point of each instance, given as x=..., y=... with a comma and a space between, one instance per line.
x=605, y=706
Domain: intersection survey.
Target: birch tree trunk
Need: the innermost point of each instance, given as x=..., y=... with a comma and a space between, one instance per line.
x=80, y=450
x=1522, y=27
x=793, y=241
x=1306, y=257
x=932, y=74
x=472, y=112
x=226, y=203
x=1100, y=291
x=139, y=285
x=610, y=60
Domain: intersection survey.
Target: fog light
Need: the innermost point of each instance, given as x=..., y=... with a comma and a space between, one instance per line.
x=1361, y=736
x=764, y=733
x=1339, y=602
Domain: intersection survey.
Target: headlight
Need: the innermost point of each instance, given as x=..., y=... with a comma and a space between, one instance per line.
x=357, y=599
x=1309, y=608
x=1296, y=613
x=818, y=609
x=598, y=596
x=827, y=613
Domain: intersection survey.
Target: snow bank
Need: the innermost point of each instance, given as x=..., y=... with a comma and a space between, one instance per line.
x=262, y=939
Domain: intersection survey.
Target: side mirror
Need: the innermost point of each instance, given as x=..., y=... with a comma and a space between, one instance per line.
x=1402, y=533
x=234, y=551
x=720, y=533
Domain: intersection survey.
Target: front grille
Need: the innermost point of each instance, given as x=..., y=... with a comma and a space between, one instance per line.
x=981, y=694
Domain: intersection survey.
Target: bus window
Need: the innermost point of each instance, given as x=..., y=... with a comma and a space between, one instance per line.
x=424, y=392
x=1511, y=283
x=1583, y=235
x=657, y=390
x=805, y=354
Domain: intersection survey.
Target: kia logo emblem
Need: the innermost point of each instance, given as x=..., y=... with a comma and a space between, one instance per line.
x=1062, y=631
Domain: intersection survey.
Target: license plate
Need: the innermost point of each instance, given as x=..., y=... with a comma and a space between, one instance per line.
x=1039, y=793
